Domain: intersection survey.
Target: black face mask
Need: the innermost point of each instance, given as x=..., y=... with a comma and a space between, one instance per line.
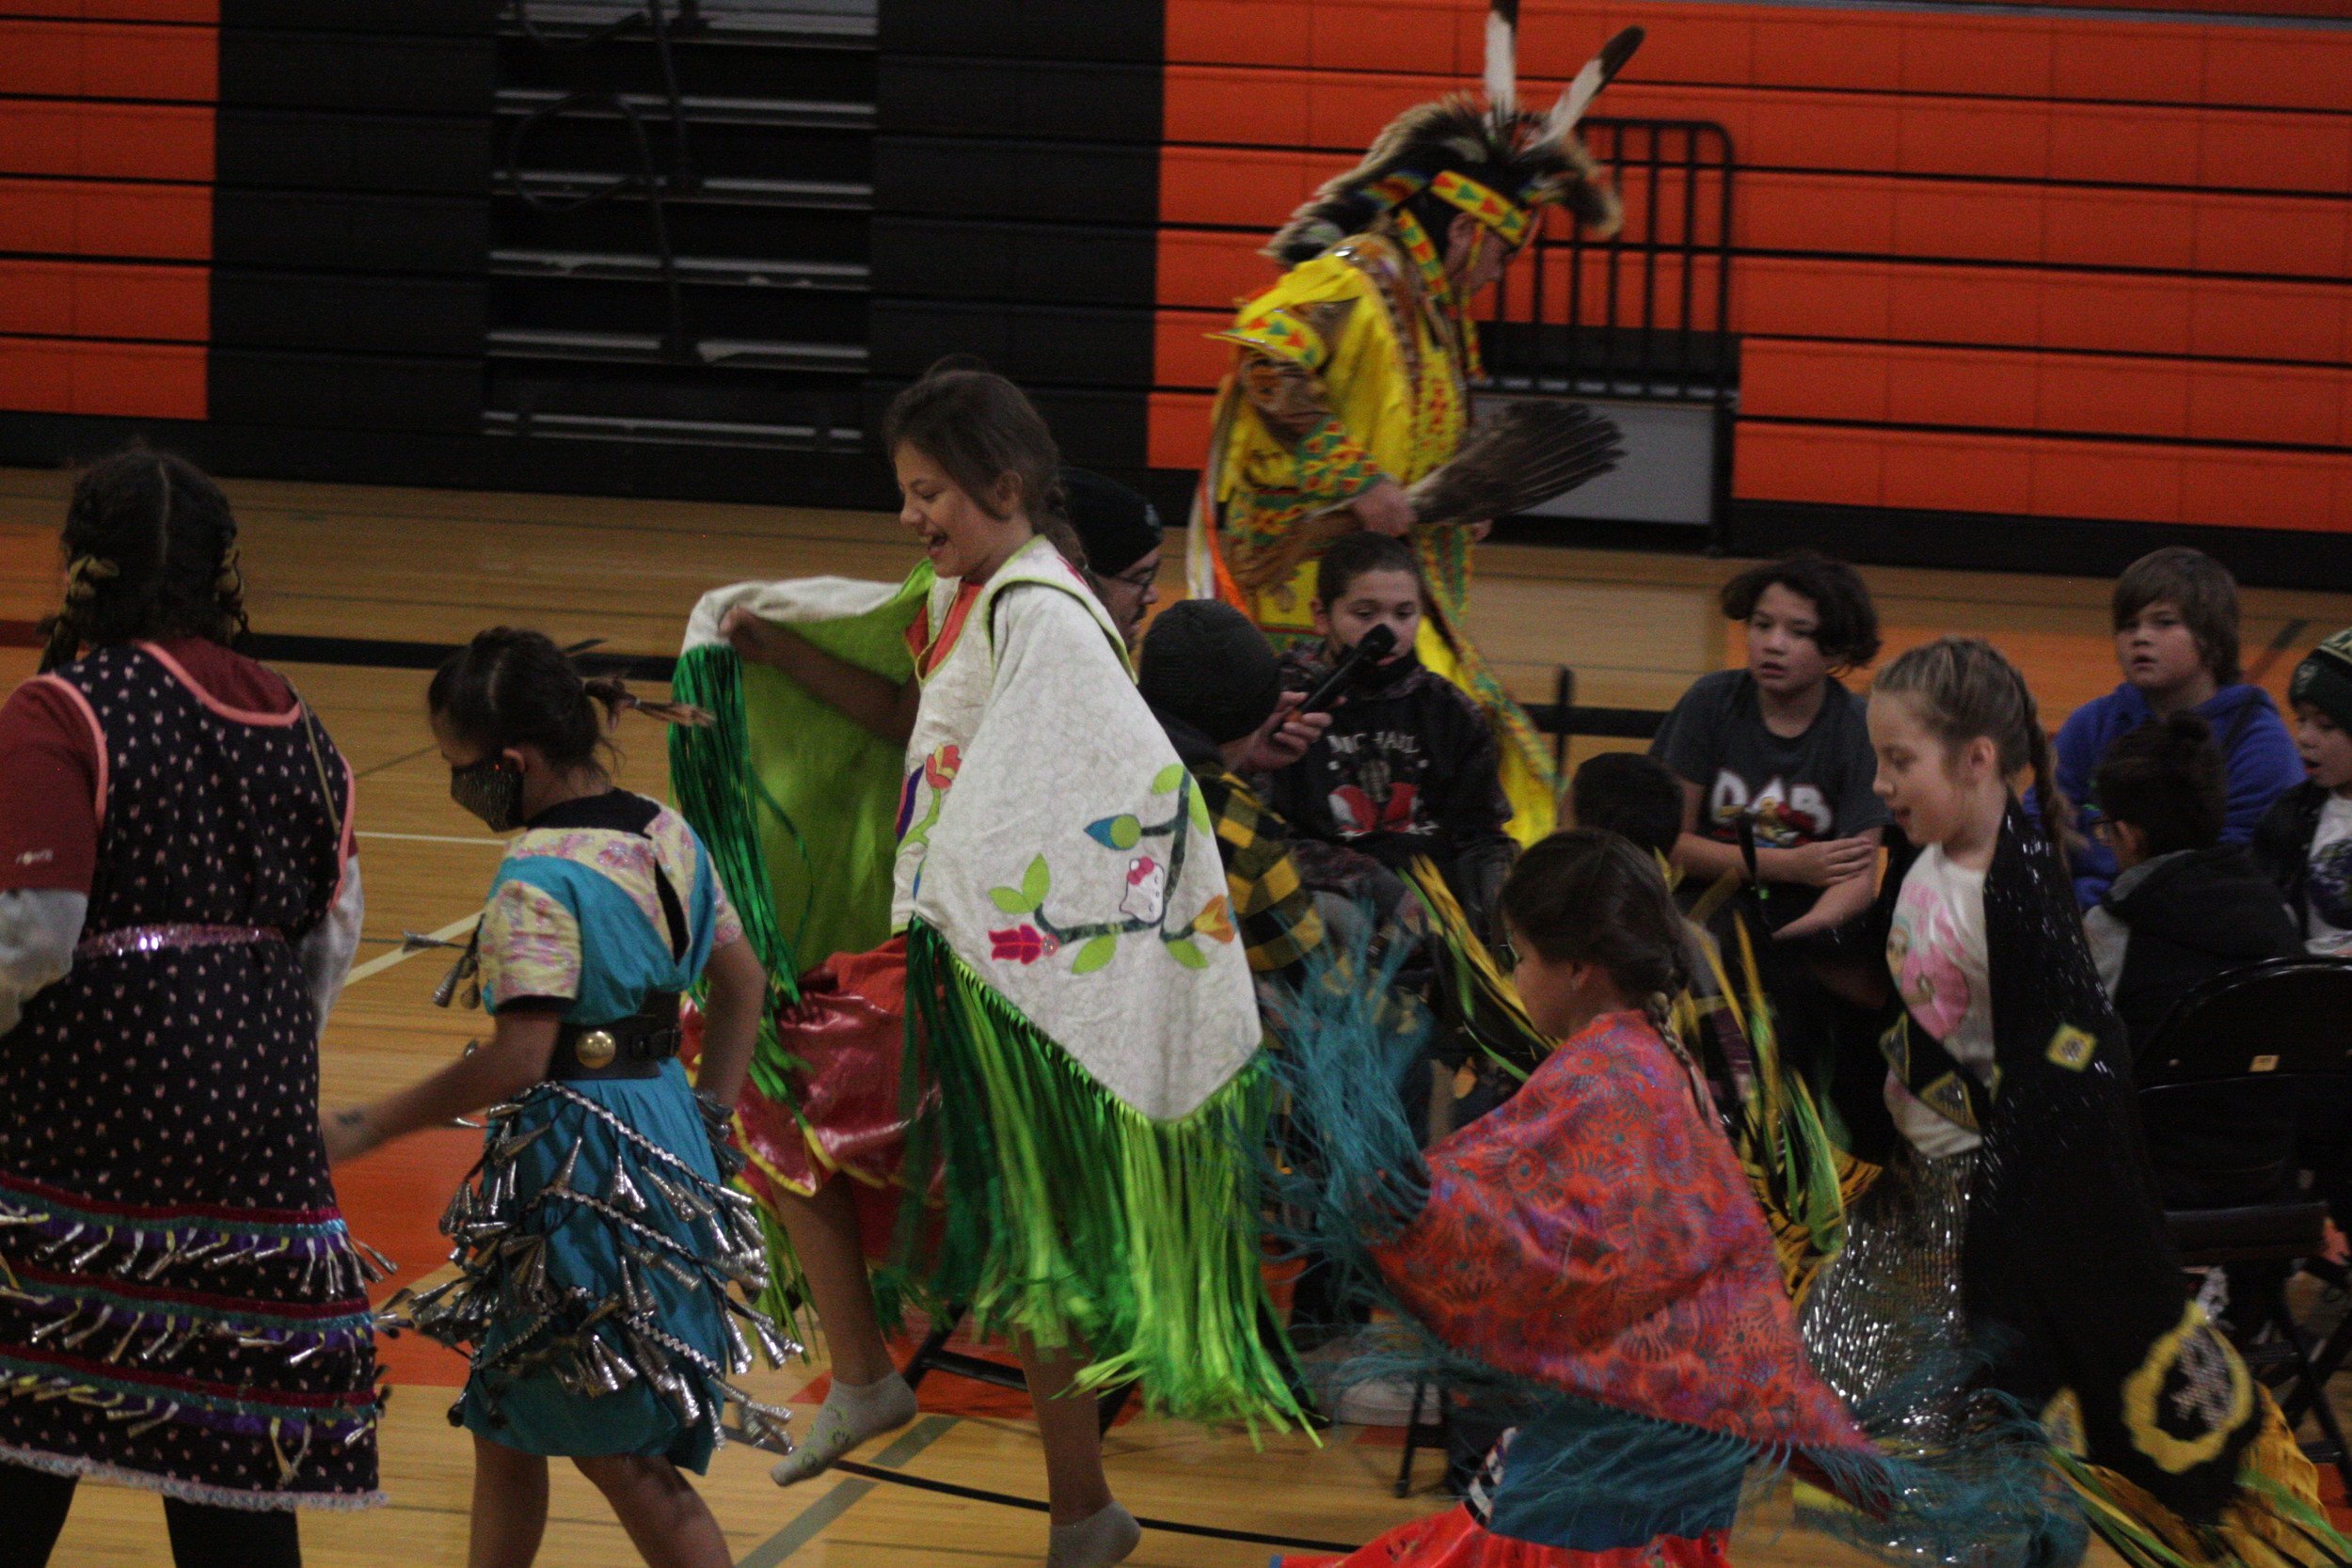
x=492, y=790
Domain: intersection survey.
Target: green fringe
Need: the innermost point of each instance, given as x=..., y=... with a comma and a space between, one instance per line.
x=711, y=775
x=1077, y=1223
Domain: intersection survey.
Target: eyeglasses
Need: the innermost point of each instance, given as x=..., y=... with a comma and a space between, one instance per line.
x=1135, y=577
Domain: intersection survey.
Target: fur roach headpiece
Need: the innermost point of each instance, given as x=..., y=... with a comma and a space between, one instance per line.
x=1498, y=163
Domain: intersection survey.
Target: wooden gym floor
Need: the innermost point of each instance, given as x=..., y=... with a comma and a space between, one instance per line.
x=433, y=566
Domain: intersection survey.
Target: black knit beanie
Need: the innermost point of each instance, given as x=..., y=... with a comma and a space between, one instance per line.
x=1117, y=526
x=2324, y=679
x=1205, y=664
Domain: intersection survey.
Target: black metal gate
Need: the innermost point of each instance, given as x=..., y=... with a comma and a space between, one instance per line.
x=1645, y=313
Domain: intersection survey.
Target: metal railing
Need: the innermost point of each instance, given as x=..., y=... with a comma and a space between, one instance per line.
x=1645, y=313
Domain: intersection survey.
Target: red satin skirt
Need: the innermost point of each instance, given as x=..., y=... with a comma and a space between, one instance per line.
x=1456, y=1539
x=848, y=1033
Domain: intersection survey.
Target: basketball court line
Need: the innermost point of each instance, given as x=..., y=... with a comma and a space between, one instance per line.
x=845, y=1494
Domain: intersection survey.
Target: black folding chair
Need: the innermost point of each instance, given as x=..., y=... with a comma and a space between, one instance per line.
x=932, y=1356
x=2225, y=1083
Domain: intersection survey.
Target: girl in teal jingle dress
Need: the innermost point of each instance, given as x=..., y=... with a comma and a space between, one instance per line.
x=597, y=1241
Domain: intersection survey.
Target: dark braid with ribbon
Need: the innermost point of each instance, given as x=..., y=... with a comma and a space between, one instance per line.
x=150, y=550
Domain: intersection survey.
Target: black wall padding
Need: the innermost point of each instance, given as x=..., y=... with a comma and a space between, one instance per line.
x=1053, y=100
x=357, y=72
x=964, y=259
x=356, y=313
x=1028, y=30
x=315, y=150
x=1016, y=200
x=987, y=176
x=351, y=230
x=1038, y=345
x=339, y=391
x=307, y=230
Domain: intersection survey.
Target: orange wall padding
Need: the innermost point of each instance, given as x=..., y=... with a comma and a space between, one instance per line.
x=206, y=12
x=107, y=141
x=106, y=164
x=2217, y=486
x=2051, y=264
x=52, y=376
x=101, y=299
x=104, y=59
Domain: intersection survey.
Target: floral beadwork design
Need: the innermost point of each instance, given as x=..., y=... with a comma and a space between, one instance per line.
x=1151, y=864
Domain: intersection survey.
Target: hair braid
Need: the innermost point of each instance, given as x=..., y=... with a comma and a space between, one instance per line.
x=1966, y=689
x=150, y=545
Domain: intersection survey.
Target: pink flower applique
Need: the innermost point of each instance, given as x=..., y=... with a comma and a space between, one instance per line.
x=1024, y=943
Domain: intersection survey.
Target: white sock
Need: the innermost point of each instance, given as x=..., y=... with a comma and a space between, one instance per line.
x=851, y=1413
x=1095, y=1542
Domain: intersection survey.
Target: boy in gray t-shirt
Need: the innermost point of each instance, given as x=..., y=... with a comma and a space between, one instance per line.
x=1782, y=742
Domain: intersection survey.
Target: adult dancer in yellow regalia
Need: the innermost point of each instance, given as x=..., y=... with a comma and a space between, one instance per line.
x=1351, y=375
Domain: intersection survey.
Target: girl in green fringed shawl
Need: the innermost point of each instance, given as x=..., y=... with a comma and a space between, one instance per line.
x=1046, y=1075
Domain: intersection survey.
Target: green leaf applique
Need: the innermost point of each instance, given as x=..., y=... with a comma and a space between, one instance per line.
x=1095, y=953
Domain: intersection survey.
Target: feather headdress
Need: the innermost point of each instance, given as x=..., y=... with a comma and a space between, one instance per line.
x=1493, y=160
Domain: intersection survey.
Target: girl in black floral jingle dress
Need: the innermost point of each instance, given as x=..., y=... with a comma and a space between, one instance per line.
x=181, y=1308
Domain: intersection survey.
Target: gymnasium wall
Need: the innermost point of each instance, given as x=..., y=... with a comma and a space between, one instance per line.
x=1017, y=169
x=2015, y=288
x=2077, y=267
x=268, y=216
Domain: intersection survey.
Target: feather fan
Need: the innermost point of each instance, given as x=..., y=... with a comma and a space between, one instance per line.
x=1519, y=456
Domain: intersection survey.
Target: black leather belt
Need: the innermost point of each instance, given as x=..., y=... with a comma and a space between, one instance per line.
x=631, y=1046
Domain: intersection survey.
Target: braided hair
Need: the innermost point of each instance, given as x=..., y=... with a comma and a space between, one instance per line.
x=511, y=687
x=1962, y=689
x=150, y=550
x=1586, y=896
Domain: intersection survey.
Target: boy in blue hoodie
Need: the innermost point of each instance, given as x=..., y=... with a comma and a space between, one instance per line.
x=2176, y=638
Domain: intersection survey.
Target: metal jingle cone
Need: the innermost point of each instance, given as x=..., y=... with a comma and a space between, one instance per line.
x=738, y=1348
x=773, y=1342
x=599, y=1367
x=512, y=1144
x=562, y=1182
x=73, y=1340
x=670, y=1192
x=621, y=1193
x=56, y=1326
